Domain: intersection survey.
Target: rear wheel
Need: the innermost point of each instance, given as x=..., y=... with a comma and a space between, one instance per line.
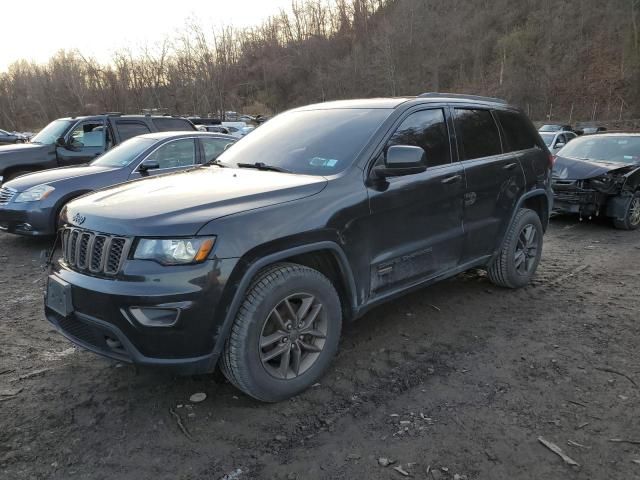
x=520, y=255
x=285, y=333
x=631, y=219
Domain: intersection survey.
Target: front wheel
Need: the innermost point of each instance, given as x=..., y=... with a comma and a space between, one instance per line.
x=520, y=254
x=631, y=219
x=285, y=333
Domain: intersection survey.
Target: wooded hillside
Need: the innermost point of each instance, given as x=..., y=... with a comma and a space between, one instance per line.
x=577, y=59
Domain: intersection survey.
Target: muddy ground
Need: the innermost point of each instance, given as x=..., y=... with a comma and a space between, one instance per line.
x=457, y=379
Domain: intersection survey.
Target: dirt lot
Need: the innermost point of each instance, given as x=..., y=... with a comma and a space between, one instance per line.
x=458, y=379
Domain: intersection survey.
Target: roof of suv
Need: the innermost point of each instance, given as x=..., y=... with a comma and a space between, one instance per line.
x=393, y=102
x=185, y=133
x=118, y=115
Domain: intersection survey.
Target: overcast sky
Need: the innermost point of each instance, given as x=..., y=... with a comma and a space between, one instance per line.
x=36, y=29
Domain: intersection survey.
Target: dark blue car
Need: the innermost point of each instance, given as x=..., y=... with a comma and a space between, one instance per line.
x=30, y=204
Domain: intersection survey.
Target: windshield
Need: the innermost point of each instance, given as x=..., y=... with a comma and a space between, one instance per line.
x=623, y=149
x=548, y=138
x=49, y=134
x=550, y=128
x=125, y=153
x=310, y=142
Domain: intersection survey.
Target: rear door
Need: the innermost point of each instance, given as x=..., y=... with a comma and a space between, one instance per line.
x=416, y=220
x=494, y=180
x=172, y=156
x=126, y=129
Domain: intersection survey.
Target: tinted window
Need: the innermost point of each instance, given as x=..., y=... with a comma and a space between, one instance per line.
x=519, y=134
x=172, y=124
x=129, y=130
x=178, y=153
x=477, y=134
x=213, y=147
x=313, y=142
x=607, y=148
x=426, y=129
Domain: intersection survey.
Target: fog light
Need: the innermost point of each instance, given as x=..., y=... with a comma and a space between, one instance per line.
x=155, y=317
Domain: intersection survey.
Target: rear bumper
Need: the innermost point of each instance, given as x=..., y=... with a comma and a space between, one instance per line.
x=27, y=219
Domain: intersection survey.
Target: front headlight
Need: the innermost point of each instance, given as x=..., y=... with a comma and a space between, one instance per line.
x=177, y=251
x=34, y=194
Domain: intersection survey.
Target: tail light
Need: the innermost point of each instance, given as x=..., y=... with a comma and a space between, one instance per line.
x=552, y=160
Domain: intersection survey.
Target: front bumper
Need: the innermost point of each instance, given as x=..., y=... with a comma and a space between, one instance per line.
x=102, y=320
x=569, y=196
x=28, y=218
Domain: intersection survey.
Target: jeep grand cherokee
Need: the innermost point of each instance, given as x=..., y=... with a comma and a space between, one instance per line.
x=324, y=212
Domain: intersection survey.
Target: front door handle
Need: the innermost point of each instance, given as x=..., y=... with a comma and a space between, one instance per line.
x=450, y=180
x=510, y=166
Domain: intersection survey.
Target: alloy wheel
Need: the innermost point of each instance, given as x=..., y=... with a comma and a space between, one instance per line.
x=526, y=250
x=293, y=336
x=634, y=211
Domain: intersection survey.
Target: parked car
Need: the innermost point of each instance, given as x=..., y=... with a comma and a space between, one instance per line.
x=237, y=129
x=322, y=213
x=215, y=129
x=30, y=205
x=600, y=175
x=77, y=140
x=593, y=130
x=556, y=140
x=555, y=128
x=7, y=138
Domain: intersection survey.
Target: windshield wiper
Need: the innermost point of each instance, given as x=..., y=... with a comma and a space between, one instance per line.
x=216, y=163
x=263, y=166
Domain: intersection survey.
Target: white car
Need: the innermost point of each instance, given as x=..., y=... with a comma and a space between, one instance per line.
x=556, y=140
x=237, y=129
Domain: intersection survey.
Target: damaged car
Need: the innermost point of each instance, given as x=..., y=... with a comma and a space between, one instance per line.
x=600, y=175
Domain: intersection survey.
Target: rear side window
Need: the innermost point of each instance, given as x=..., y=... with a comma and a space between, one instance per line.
x=519, y=134
x=170, y=124
x=477, y=134
x=213, y=147
x=129, y=130
x=426, y=129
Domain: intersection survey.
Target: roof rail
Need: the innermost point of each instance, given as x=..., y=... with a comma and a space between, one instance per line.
x=462, y=96
x=113, y=114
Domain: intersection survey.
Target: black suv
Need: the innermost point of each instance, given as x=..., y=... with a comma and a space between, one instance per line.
x=77, y=140
x=324, y=212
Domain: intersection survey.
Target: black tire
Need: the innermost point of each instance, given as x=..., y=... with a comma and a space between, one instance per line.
x=503, y=271
x=631, y=220
x=243, y=360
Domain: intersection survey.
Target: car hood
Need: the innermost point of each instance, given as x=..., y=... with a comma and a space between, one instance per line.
x=181, y=204
x=566, y=168
x=55, y=176
x=23, y=151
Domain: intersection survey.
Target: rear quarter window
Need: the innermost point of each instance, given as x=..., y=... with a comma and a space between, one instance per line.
x=519, y=133
x=170, y=124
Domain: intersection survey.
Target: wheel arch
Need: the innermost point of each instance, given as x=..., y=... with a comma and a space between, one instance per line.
x=325, y=256
x=59, y=205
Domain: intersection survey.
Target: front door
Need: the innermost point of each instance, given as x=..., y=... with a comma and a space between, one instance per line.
x=415, y=226
x=85, y=142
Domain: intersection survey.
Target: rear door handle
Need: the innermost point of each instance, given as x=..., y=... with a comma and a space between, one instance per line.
x=449, y=180
x=510, y=166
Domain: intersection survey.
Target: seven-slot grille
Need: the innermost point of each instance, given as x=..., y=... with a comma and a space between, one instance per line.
x=6, y=194
x=94, y=252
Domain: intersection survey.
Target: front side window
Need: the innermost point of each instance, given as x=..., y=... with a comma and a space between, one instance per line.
x=477, y=134
x=426, y=129
x=87, y=134
x=213, y=147
x=311, y=142
x=129, y=130
x=178, y=153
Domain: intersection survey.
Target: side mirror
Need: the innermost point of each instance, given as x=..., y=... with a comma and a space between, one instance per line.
x=149, y=165
x=402, y=160
x=560, y=145
x=61, y=142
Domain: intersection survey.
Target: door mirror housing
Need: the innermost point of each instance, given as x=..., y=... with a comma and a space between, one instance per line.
x=149, y=165
x=402, y=160
x=61, y=142
x=560, y=145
